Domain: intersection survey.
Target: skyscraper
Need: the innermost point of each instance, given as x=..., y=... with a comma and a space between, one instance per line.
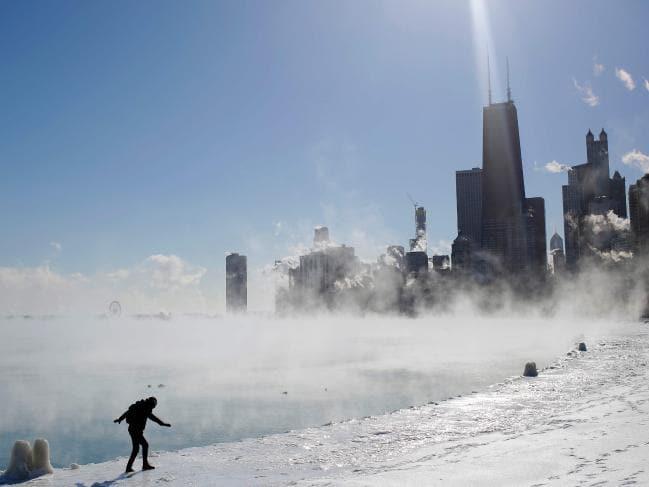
x=536, y=241
x=639, y=213
x=493, y=213
x=468, y=191
x=462, y=254
x=418, y=244
x=618, y=195
x=556, y=242
x=504, y=226
x=236, y=283
x=558, y=257
x=590, y=191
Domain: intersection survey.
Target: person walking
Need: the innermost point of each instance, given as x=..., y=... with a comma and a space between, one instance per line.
x=136, y=416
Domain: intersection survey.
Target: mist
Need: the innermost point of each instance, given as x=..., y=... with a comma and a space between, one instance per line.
x=224, y=379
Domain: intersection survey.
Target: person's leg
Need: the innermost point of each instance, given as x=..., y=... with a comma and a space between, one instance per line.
x=145, y=455
x=136, y=447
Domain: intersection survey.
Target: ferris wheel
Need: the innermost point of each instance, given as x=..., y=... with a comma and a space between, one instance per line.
x=114, y=308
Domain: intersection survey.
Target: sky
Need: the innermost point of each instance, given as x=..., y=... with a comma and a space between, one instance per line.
x=142, y=141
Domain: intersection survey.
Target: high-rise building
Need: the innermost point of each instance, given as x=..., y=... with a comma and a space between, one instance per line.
x=556, y=242
x=558, y=257
x=639, y=214
x=558, y=261
x=416, y=264
x=418, y=244
x=462, y=254
x=236, y=283
x=536, y=240
x=441, y=263
x=504, y=225
x=320, y=236
x=320, y=270
x=618, y=195
x=468, y=192
x=590, y=191
x=492, y=210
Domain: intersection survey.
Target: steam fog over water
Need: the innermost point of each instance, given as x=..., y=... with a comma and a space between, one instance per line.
x=223, y=379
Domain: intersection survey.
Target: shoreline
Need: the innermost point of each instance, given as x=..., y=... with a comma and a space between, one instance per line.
x=488, y=437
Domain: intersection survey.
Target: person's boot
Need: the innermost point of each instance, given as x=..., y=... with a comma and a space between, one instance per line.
x=147, y=466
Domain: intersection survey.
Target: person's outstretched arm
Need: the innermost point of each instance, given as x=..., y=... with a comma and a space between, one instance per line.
x=119, y=420
x=154, y=418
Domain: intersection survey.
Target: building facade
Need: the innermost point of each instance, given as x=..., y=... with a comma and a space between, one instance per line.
x=639, y=214
x=590, y=191
x=236, y=283
x=468, y=192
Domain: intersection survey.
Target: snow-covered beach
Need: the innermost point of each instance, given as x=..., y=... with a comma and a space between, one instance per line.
x=584, y=420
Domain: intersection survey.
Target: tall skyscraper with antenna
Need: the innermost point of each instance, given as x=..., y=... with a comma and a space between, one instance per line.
x=512, y=226
x=504, y=233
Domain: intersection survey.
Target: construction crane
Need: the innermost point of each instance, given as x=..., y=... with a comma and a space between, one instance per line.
x=412, y=201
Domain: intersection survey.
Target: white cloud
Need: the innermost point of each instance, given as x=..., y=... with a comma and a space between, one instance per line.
x=586, y=92
x=158, y=283
x=638, y=159
x=556, y=167
x=626, y=78
x=170, y=272
x=598, y=68
x=646, y=84
x=56, y=246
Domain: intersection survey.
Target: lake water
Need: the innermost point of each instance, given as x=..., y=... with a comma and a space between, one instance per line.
x=224, y=379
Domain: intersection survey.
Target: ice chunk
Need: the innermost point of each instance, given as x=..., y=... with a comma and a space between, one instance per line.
x=26, y=463
x=20, y=463
x=41, y=458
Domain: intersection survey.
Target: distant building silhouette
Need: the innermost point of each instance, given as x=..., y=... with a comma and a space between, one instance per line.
x=321, y=236
x=618, y=195
x=322, y=273
x=468, y=191
x=419, y=244
x=462, y=254
x=536, y=239
x=558, y=256
x=319, y=270
x=556, y=242
x=441, y=263
x=639, y=214
x=236, y=283
x=417, y=264
x=590, y=191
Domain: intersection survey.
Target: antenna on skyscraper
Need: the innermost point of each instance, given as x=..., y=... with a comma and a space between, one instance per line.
x=509, y=90
x=489, y=78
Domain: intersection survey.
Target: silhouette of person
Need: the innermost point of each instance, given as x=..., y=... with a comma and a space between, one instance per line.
x=136, y=416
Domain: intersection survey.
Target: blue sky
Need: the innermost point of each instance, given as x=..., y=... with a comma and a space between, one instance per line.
x=131, y=129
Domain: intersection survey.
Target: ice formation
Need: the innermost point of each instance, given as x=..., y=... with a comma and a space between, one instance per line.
x=26, y=463
x=41, y=458
x=20, y=464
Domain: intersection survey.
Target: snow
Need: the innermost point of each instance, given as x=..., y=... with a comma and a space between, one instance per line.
x=582, y=420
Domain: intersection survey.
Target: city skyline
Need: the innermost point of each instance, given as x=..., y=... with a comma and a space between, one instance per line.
x=102, y=195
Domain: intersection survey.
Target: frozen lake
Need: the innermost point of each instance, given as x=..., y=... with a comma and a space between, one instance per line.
x=220, y=380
